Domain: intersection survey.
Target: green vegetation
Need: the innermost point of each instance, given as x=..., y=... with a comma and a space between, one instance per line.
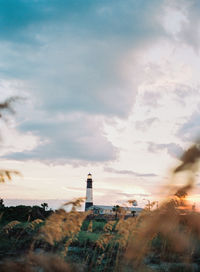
x=109, y=245
x=22, y=213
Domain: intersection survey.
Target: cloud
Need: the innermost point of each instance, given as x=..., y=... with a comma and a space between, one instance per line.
x=144, y=125
x=188, y=33
x=151, y=98
x=128, y=172
x=12, y=141
x=190, y=130
x=173, y=149
x=73, y=58
x=113, y=196
x=129, y=196
x=67, y=139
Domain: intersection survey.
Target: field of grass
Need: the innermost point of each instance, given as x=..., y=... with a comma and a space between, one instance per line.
x=165, y=239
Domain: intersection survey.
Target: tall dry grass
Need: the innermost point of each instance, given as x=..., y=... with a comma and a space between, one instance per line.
x=164, y=239
x=61, y=228
x=175, y=222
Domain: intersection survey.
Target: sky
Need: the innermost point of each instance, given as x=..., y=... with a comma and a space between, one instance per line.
x=107, y=87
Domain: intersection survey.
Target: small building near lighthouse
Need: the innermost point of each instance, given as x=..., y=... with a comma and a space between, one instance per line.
x=103, y=209
x=110, y=210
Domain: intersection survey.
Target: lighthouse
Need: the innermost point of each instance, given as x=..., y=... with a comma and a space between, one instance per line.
x=89, y=193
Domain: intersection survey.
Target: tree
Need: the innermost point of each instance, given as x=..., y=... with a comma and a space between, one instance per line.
x=44, y=206
x=118, y=210
x=133, y=213
x=132, y=202
x=1, y=203
x=151, y=205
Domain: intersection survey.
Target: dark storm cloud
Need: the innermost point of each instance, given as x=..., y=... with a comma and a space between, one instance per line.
x=128, y=172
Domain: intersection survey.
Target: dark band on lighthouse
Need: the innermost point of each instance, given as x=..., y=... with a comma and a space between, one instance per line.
x=89, y=193
x=89, y=183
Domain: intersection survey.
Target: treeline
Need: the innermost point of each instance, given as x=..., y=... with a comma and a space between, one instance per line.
x=23, y=213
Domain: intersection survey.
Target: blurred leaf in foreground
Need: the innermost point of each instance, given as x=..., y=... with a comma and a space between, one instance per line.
x=7, y=175
x=7, y=105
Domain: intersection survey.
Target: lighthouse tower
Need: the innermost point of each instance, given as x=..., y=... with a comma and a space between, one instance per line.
x=89, y=193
